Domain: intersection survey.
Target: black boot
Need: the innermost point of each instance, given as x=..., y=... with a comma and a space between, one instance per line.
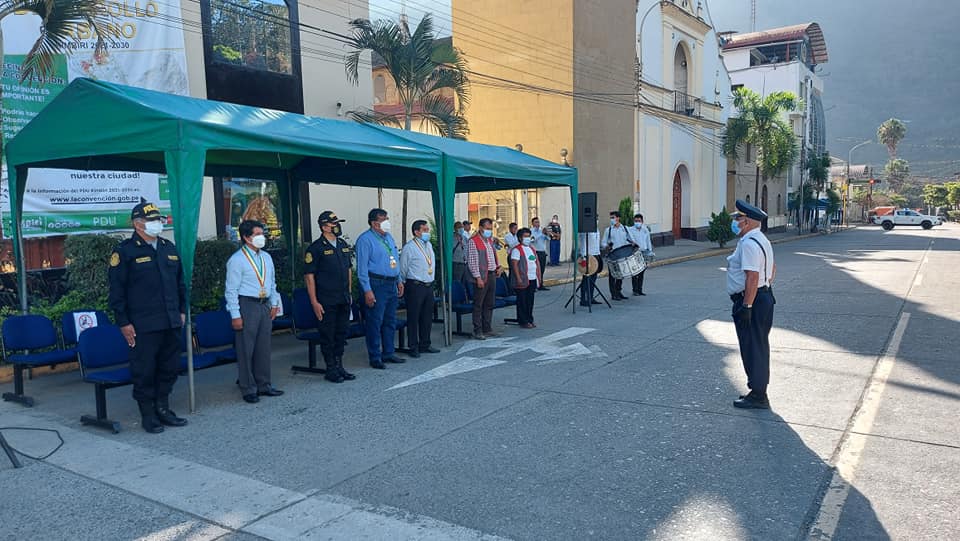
x=148, y=417
x=332, y=373
x=343, y=373
x=166, y=416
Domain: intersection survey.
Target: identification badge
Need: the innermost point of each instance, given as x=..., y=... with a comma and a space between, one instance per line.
x=328, y=252
x=393, y=263
x=144, y=259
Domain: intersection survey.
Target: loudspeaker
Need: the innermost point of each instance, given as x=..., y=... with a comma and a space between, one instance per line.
x=587, y=212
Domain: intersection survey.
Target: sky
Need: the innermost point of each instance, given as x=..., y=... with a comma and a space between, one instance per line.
x=888, y=58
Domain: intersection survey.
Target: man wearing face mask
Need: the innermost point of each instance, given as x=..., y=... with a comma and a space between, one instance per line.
x=750, y=273
x=378, y=271
x=148, y=299
x=641, y=237
x=252, y=299
x=484, y=268
x=615, y=239
x=539, y=238
x=417, y=268
x=327, y=275
x=459, y=253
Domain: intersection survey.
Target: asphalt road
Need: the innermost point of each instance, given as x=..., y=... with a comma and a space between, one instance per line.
x=611, y=425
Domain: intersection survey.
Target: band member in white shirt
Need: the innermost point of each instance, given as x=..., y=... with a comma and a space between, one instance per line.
x=615, y=239
x=641, y=236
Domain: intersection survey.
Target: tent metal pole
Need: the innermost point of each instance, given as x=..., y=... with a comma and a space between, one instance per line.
x=21, y=259
x=188, y=335
x=445, y=280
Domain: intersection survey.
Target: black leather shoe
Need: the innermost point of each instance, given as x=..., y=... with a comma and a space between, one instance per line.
x=394, y=360
x=642, y=294
x=637, y=293
x=333, y=375
x=752, y=402
x=251, y=398
x=414, y=354
x=429, y=350
x=543, y=289
x=169, y=418
x=347, y=376
x=378, y=366
x=270, y=392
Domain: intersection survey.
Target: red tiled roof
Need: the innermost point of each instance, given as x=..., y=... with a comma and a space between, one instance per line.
x=787, y=33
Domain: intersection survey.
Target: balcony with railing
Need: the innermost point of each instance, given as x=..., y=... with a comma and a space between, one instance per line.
x=685, y=104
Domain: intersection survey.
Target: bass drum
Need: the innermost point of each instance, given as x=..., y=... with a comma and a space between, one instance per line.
x=590, y=266
x=626, y=267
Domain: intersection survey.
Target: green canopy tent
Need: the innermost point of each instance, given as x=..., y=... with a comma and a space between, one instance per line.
x=93, y=125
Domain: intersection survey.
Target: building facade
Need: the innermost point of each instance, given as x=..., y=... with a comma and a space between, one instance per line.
x=680, y=170
x=779, y=59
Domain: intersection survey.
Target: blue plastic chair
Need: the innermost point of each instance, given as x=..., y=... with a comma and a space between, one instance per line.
x=215, y=338
x=29, y=333
x=104, y=362
x=460, y=305
x=68, y=329
x=286, y=320
x=305, y=325
x=503, y=293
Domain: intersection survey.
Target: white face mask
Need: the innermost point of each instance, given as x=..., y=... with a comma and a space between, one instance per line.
x=153, y=228
x=526, y=241
x=385, y=226
x=258, y=241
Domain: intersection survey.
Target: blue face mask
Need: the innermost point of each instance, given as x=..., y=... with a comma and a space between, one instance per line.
x=425, y=237
x=735, y=225
x=613, y=221
x=487, y=233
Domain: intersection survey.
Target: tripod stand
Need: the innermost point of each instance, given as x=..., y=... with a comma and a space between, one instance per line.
x=11, y=454
x=592, y=279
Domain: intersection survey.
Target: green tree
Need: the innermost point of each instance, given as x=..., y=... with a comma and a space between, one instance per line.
x=423, y=70
x=761, y=124
x=897, y=170
x=953, y=194
x=818, y=171
x=834, y=203
x=935, y=195
x=626, y=210
x=719, y=229
x=890, y=133
x=898, y=200
x=58, y=19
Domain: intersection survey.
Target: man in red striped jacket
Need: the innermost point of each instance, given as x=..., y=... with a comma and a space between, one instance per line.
x=484, y=268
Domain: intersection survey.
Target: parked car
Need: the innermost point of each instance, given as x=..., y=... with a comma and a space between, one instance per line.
x=906, y=217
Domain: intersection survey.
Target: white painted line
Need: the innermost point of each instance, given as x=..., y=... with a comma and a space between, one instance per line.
x=918, y=281
x=228, y=500
x=459, y=366
x=851, y=450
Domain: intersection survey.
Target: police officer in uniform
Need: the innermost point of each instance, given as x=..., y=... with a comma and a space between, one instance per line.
x=750, y=272
x=329, y=284
x=148, y=299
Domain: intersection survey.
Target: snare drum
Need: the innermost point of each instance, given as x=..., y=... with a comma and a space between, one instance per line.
x=626, y=267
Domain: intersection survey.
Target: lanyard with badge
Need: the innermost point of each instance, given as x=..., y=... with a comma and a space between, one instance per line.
x=386, y=246
x=258, y=270
x=425, y=256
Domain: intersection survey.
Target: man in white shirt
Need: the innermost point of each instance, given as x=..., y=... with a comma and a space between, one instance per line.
x=417, y=268
x=511, y=237
x=750, y=271
x=641, y=237
x=614, y=238
x=540, y=240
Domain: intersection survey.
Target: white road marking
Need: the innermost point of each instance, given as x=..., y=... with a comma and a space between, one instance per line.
x=548, y=348
x=825, y=525
x=229, y=500
x=459, y=366
x=918, y=281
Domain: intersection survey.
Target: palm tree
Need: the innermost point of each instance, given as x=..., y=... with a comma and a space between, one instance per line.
x=57, y=22
x=818, y=170
x=761, y=124
x=890, y=133
x=422, y=69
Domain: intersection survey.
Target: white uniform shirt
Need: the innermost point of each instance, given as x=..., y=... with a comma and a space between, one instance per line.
x=594, y=239
x=539, y=239
x=749, y=257
x=641, y=236
x=617, y=235
x=511, y=240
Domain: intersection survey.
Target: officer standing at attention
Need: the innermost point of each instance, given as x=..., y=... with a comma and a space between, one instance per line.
x=378, y=271
x=614, y=238
x=148, y=299
x=417, y=268
x=250, y=292
x=750, y=271
x=329, y=282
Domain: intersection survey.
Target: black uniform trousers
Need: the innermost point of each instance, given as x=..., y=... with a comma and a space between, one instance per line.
x=754, y=339
x=154, y=362
x=542, y=260
x=638, y=282
x=525, y=303
x=333, y=330
x=616, y=286
x=419, y=296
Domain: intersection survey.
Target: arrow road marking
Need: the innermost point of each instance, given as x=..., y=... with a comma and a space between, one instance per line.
x=459, y=366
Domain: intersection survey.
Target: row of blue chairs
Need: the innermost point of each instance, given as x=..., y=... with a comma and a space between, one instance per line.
x=461, y=300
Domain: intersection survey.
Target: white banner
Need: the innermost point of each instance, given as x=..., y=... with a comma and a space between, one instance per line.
x=148, y=51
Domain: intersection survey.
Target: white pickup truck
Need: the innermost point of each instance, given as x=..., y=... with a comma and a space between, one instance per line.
x=906, y=217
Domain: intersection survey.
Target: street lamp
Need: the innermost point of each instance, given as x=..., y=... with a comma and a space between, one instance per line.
x=847, y=191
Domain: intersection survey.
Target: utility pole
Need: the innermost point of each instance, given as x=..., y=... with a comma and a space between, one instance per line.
x=753, y=15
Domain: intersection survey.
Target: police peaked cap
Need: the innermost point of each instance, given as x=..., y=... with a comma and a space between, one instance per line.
x=750, y=211
x=145, y=210
x=328, y=217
